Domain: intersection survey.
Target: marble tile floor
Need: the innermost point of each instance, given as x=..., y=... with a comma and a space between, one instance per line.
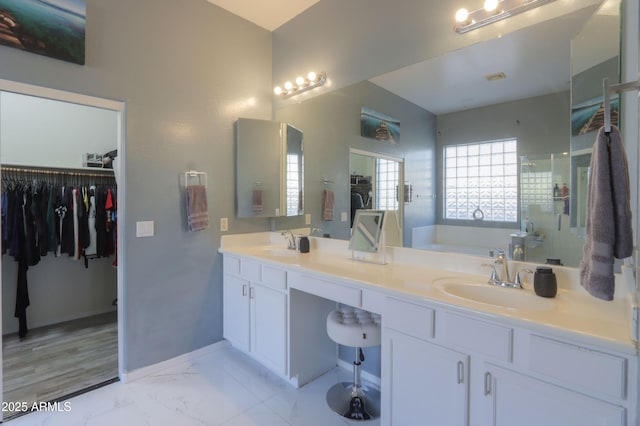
x=222, y=387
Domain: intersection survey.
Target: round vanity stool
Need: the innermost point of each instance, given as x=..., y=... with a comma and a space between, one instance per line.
x=354, y=327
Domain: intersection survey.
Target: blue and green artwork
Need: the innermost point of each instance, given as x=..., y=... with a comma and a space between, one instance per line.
x=376, y=125
x=54, y=28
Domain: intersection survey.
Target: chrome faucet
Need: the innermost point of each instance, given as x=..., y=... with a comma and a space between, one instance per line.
x=291, y=239
x=501, y=276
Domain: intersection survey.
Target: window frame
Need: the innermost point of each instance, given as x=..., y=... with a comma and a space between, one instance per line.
x=441, y=189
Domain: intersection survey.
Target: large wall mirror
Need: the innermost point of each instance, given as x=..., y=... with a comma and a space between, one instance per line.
x=470, y=96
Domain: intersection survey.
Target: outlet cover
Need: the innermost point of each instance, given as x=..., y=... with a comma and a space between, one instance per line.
x=224, y=224
x=307, y=219
x=343, y=216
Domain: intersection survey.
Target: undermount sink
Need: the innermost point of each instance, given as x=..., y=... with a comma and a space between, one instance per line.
x=487, y=294
x=278, y=251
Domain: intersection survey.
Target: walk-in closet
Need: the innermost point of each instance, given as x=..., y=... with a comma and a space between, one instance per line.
x=59, y=164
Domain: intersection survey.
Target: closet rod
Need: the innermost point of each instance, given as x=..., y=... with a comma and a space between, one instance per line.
x=102, y=173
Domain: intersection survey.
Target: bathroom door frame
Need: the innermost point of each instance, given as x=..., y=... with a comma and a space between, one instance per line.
x=120, y=108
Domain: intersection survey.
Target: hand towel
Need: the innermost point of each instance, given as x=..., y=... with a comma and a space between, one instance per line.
x=197, y=209
x=327, y=204
x=608, y=224
x=256, y=201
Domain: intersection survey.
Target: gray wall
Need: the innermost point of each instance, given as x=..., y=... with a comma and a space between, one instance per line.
x=331, y=126
x=541, y=125
x=187, y=70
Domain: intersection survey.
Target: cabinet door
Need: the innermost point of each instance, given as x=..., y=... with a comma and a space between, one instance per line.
x=516, y=399
x=422, y=383
x=269, y=327
x=236, y=311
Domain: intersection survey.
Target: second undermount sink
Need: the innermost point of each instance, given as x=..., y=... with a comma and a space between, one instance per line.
x=277, y=251
x=487, y=294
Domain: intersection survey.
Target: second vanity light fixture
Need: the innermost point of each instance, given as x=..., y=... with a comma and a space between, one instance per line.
x=493, y=11
x=301, y=84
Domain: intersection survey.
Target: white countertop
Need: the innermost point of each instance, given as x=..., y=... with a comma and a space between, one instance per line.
x=420, y=275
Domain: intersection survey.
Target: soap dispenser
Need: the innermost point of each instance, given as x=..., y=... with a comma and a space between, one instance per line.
x=303, y=244
x=545, y=283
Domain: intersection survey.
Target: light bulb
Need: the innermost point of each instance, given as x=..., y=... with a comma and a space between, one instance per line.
x=288, y=85
x=462, y=15
x=312, y=76
x=490, y=5
x=300, y=81
x=277, y=90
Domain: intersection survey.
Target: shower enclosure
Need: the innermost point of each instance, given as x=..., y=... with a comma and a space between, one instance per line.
x=546, y=232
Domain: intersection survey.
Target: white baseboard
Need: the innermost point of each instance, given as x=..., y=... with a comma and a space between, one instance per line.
x=139, y=373
x=367, y=377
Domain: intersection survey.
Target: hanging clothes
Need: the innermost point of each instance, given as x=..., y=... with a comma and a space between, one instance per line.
x=40, y=216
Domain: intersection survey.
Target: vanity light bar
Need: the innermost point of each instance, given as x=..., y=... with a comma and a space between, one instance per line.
x=493, y=11
x=301, y=85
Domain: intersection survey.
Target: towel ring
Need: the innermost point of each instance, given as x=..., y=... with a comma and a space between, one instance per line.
x=478, y=214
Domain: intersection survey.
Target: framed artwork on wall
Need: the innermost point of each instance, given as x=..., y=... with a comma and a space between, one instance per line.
x=376, y=125
x=54, y=28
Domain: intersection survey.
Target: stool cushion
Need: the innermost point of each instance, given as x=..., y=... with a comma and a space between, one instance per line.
x=354, y=327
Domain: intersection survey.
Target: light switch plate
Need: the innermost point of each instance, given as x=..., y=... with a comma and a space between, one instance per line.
x=343, y=216
x=144, y=229
x=224, y=224
x=307, y=219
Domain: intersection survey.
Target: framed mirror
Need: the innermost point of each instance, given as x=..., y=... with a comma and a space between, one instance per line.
x=269, y=169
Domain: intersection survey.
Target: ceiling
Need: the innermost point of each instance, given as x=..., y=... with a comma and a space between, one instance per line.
x=267, y=14
x=534, y=59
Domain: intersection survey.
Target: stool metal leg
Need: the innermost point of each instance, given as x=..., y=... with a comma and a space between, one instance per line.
x=351, y=400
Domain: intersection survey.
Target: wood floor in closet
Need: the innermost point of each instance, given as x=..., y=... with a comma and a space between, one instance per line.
x=60, y=359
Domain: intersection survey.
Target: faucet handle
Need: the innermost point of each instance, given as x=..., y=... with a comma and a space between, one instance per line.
x=493, y=278
x=517, y=282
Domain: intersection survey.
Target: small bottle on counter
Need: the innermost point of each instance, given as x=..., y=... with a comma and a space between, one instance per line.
x=545, y=283
x=303, y=244
x=556, y=191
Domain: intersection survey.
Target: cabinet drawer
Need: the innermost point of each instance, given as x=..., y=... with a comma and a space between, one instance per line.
x=274, y=278
x=479, y=336
x=250, y=270
x=592, y=370
x=231, y=264
x=329, y=290
x=409, y=318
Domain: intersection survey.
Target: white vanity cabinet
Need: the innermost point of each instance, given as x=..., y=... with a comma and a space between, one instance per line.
x=445, y=367
x=255, y=310
x=516, y=399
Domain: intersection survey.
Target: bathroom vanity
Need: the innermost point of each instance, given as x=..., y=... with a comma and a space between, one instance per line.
x=455, y=351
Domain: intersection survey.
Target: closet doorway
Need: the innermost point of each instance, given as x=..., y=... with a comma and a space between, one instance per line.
x=377, y=182
x=62, y=187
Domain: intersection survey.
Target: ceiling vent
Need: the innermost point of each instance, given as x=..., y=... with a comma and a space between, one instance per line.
x=495, y=76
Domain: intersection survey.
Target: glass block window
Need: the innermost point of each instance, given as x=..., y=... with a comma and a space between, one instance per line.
x=387, y=176
x=294, y=192
x=536, y=188
x=481, y=176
